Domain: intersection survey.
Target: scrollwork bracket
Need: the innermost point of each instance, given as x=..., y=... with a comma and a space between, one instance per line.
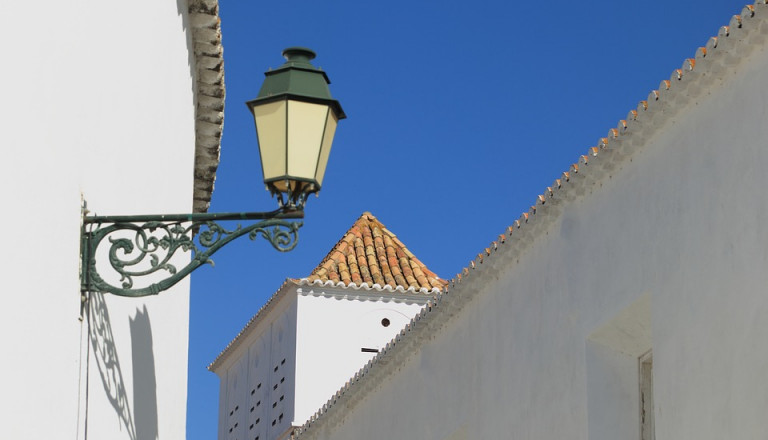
x=143, y=247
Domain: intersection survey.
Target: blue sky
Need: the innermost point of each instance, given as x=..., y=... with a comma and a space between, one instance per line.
x=459, y=115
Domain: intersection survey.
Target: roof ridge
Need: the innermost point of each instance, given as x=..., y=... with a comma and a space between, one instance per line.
x=566, y=186
x=663, y=98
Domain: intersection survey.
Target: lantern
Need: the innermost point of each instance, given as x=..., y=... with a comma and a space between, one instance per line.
x=296, y=120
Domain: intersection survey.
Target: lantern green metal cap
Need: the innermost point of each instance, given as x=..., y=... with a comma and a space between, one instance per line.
x=297, y=79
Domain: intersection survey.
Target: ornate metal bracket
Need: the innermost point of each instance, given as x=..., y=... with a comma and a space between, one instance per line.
x=143, y=246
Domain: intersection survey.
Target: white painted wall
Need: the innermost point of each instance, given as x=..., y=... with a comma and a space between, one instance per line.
x=97, y=101
x=299, y=351
x=333, y=327
x=683, y=223
x=257, y=376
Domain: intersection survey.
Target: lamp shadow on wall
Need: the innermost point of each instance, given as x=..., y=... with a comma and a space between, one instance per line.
x=105, y=357
x=139, y=418
x=144, y=381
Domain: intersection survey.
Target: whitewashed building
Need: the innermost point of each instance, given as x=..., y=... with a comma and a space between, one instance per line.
x=629, y=302
x=119, y=105
x=314, y=333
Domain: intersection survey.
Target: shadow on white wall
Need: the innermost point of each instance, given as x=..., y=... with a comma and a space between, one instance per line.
x=144, y=381
x=105, y=358
x=139, y=418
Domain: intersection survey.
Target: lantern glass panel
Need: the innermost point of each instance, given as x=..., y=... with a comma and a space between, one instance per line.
x=325, y=150
x=305, y=138
x=271, y=130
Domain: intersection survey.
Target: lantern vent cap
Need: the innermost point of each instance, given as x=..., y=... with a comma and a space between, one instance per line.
x=297, y=79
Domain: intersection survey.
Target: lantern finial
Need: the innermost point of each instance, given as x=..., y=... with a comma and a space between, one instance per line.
x=299, y=54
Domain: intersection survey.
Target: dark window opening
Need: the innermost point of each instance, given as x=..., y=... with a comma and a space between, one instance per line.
x=647, y=429
x=385, y=322
x=369, y=350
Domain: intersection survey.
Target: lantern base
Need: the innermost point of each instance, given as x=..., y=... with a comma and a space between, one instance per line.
x=292, y=194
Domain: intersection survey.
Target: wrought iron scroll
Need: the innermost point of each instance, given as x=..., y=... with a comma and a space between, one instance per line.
x=146, y=249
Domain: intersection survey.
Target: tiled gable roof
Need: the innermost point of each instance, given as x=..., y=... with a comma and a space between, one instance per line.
x=369, y=253
x=368, y=257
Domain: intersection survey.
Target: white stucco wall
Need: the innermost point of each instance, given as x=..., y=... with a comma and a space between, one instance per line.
x=681, y=225
x=300, y=349
x=257, y=374
x=333, y=328
x=97, y=102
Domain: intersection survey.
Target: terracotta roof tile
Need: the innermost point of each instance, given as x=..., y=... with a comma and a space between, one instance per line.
x=370, y=253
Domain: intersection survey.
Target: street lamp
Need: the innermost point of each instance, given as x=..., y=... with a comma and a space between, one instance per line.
x=295, y=120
